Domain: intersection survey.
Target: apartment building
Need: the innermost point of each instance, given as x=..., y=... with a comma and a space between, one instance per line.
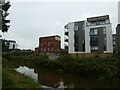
x=118, y=32
x=91, y=35
x=118, y=39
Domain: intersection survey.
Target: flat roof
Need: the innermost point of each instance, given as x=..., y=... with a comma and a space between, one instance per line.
x=50, y=36
x=98, y=18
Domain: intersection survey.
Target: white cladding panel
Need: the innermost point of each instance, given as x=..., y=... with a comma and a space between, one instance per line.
x=119, y=12
x=87, y=40
x=109, y=38
x=71, y=38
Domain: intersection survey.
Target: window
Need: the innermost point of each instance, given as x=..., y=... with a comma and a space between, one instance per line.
x=76, y=28
x=51, y=49
x=93, y=23
x=101, y=22
x=94, y=39
x=94, y=48
x=48, y=49
x=41, y=44
x=41, y=49
x=93, y=31
x=44, y=49
x=107, y=21
x=48, y=43
x=88, y=24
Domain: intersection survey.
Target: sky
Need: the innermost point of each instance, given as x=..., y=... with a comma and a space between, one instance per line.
x=35, y=18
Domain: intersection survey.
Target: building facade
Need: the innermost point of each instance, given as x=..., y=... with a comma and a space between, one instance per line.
x=118, y=39
x=49, y=44
x=91, y=35
x=12, y=45
x=114, y=43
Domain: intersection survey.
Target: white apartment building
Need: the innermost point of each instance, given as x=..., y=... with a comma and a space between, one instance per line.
x=91, y=35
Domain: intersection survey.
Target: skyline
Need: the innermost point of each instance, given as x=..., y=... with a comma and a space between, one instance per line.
x=49, y=18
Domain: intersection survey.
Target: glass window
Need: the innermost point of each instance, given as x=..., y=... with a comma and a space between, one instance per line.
x=44, y=49
x=48, y=49
x=91, y=32
x=107, y=21
x=102, y=22
x=41, y=49
x=76, y=28
x=96, y=47
x=95, y=31
x=48, y=43
x=41, y=44
x=88, y=24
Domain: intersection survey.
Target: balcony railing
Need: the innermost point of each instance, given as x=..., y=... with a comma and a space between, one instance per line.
x=66, y=33
x=66, y=40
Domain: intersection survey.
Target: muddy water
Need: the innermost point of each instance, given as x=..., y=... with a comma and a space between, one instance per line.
x=51, y=79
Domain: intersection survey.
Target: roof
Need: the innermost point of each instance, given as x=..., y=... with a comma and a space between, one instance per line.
x=98, y=18
x=50, y=36
x=10, y=41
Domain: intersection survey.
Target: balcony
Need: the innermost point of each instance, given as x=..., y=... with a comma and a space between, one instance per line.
x=66, y=33
x=66, y=40
x=66, y=47
x=66, y=26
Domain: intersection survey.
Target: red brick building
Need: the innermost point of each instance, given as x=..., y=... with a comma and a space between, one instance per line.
x=49, y=44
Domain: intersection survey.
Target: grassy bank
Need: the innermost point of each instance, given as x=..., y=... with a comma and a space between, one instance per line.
x=14, y=80
x=103, y=70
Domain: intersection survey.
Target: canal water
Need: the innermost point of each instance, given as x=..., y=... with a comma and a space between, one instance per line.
x=51, y=79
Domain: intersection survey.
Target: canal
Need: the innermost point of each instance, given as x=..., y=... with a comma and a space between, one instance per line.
x=51, y=79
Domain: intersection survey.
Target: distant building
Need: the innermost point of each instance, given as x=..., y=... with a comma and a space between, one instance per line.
x=118, y=39
x=11, y=44
x=91, y=35
x=49, y=44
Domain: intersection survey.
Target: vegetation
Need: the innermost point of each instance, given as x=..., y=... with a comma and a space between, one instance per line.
x=5, y=7
x=13, y=79
x=106, y=70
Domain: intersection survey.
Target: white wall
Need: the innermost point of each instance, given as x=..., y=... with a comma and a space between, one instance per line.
x=71, y=37
x=119, y=12
x=109, y=38
x=87, y=40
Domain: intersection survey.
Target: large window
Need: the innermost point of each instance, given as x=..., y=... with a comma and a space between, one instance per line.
x=94, y=39
x=105, y=39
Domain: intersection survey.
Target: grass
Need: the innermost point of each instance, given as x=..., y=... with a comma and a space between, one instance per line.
x=13, y=79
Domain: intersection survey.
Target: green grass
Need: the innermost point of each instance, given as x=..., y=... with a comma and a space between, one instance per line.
x=13, y=79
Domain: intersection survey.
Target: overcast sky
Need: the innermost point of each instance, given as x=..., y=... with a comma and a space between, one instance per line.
x=33, y=19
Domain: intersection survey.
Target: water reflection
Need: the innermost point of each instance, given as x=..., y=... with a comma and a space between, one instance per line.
x=52, y=80
x=43, y=79
x=28, y=72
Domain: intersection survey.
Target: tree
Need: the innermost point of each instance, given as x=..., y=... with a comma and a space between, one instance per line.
x=4, y=12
